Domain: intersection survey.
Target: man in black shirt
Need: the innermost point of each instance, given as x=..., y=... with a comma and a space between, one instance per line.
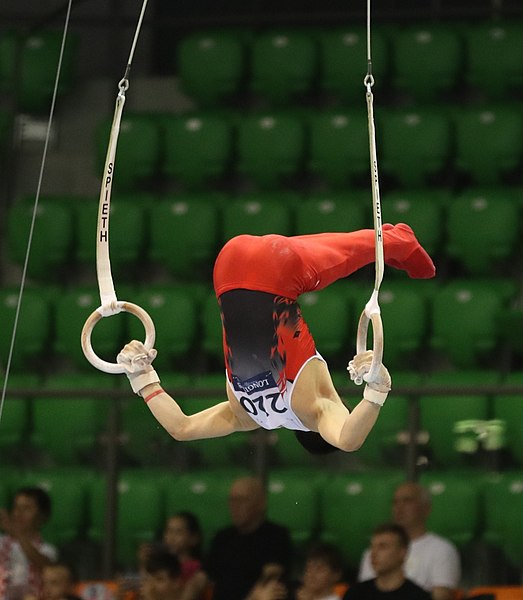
x=388, y=550
x=251, y=548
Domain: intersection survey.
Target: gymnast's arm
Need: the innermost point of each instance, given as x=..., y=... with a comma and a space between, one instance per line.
x=216, y=421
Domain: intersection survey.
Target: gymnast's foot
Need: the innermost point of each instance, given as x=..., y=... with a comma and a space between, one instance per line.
x=403, y=251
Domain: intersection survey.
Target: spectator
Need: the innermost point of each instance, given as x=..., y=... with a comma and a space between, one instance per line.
x=162, y=577
x=252, y=549
x=58, y=582
x=432, y=561
x=388, y=550
x=182, y=536
x=323, y=571
x=23, y=553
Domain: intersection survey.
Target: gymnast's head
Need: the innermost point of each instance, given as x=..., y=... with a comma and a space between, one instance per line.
x=314, y=443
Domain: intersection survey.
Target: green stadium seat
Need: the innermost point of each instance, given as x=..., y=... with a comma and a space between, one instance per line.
x=439, y=412
x=422, y=209
x=456, y=504
x=138, y=151
x=405, y=323
x=255, y=214
x=285, y=452
x=184, y=235
x=28, y=64
x=351, y=504
x=66, y=429
x=15, y=417
x=328, y=316
x=334, y=211
x=489, y=143
x=68, y=488
x=33, y=331
x=140, y=512
x=482, y=230
x=72, y=309
x=427, y=60
x=339, y=146
x=283, y=64
x=270, y=147
x=198, y=148
x=509, y=409
x=414, y=144
x=52, y=239
x=212, y=336
x=200, y=490
x=343, y=62
x=494, y=57
x=465, y=321
x=211, y=65
x=503, y=504
x=127, y=229
x=293, y=500
x=174, y=315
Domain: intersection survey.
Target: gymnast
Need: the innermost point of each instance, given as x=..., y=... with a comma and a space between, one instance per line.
x=275, y=377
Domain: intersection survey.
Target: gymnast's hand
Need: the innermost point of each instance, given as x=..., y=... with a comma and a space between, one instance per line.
x=136, y=360
x=377, y=388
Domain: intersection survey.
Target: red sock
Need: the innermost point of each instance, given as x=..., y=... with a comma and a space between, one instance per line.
x=403, y=251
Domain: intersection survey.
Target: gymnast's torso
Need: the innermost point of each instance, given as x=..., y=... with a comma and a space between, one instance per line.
x=266, y=344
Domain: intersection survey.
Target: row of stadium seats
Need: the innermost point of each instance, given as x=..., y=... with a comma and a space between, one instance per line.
x=423, y=60
x=342, y=508
x=461, y=321
x=467, y=417
x=477, y=231
x=482, y=145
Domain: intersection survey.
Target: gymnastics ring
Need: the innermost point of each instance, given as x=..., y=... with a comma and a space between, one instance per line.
x=92, y=320
x=369, y=315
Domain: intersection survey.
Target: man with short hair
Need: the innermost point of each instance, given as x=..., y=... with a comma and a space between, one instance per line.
x=433, y=562
x=252, y=548
x=388, y=550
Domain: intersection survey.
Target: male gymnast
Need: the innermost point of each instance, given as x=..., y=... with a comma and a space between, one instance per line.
x=275, y=377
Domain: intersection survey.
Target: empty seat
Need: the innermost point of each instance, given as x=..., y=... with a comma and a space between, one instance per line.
x=334, y=211
x=33, y=330
x=283, y=63
x=255, y=214
x=66, y=428
x=465, y=321
x=343, y=61
x=127, y=231
x=364, y=499
x=211, y=65
x=494, y=57
x=405, y=324
x=339, y=146
x=422, y=209
x=489, y=143
x=503, y=503
x=328, y=315
x=72, y=309
x=52, y=238
x=270, y=147
x=138, y=150
x=440, y=412
x=427, y=60
x=174, y=315
x=414, y=145
x=456, y=504
x=482, y=227
x=28, y=65
x=140, y=512
x=184, y=235
x=198, y=148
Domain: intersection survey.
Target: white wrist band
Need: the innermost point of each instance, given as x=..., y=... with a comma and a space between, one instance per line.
x=140, y=381
x=374, y=396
